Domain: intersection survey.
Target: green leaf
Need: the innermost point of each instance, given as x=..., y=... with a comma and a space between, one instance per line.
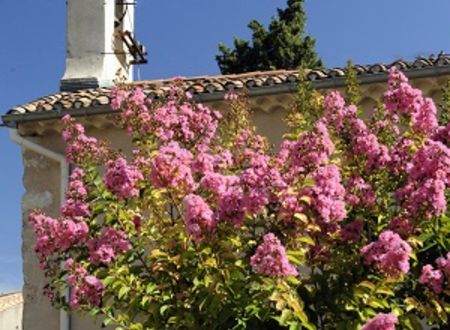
x=305, y=239
x=367, y=284
x=163, y=308
x=151, y=287
x=123, y=291
x=106, y=322
x=386, y=291
x=301, y=217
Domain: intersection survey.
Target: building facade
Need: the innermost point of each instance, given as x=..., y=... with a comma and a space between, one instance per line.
x=92, y=34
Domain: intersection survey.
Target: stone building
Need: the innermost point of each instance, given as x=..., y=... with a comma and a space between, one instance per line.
x=92, y=34
x=11, y=307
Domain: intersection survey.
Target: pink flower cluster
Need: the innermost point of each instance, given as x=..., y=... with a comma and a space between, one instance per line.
x=359, y=192
x=402, y=226
x=270, y=258
x=428, y=178
x=403, y=99
x=80, y=147
x=352, y=231
x=187, y=123
x=311, y=149
x=443, y=135
x=261, y=180
x=135, y=114
x=122, y=179
x=327, y=195
x=198, y=217
x=401, y=156
x=228, y=195
x=171, y=168
x=389, y=254
x=56, y=235
x=75, y=205
x=105, y=248
x=118, y=97
x=336, y=112
x=434, y=278
x=247, y=145
x=381, y=322
x=85, y=288
x=182, y=121
x=366, y=143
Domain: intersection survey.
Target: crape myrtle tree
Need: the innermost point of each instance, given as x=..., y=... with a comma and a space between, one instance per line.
x=204, y=226
x=283, y=46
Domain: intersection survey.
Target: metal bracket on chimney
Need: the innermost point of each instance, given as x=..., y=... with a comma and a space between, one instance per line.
x=134, y=47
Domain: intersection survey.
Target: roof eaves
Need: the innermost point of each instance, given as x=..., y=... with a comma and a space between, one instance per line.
x=320, y=79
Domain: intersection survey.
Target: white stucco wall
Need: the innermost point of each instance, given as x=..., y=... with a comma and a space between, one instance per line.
x=11, y=319
x=11, y=308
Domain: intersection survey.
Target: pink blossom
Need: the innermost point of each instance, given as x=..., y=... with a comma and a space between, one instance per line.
x=403, y=99
x=203, y=163
x=428, y=178
x=381, y=322
x=424, y=120
x=327, y=194
x=80, y=147
x=389, y=254
x=432, y=278
x=442, y=135
x=401, y=156
x=352, y=231
x=105, y=248
x=85, y=288
x=402, y=226
x=76, y=188
x=171, y=168
x=46, y=230
x=186, y=123
x=75, y=208
x=247, y=145
x=270, y=258
x=122, y=179
x=311, y=150
x=366, y=143
x=290, y=204
x=56, y=235
x=260, y=181
x=71, y=233
x=198, y=217
x=336, y=112
x=359, y=192
x=444, y=265
x=228, y=195
x=118, y=96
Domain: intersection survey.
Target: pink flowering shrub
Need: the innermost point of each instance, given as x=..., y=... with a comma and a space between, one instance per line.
x=381, y=322
x=270, y=258
x=204, y=225
x=389, y=254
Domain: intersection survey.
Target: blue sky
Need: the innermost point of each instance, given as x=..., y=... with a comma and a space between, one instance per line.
x=181, y=37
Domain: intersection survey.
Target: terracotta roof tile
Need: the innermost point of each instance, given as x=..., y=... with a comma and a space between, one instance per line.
x=205, y=86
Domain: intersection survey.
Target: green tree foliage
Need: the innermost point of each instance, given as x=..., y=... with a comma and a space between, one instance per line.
x=283, y=46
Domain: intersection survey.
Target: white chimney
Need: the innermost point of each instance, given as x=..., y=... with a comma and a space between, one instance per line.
x=95, y=51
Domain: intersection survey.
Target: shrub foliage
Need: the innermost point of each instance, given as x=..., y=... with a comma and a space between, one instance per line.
x=204, y=226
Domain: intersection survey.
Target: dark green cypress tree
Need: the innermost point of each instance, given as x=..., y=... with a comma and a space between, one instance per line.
x=283, y=46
